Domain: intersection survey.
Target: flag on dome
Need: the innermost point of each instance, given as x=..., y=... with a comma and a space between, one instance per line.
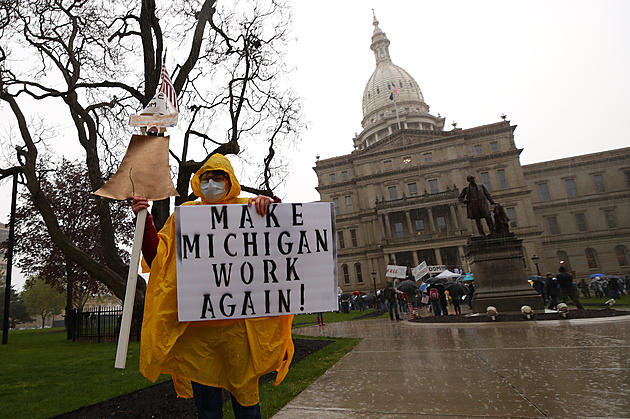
x=167, y=87
x=395, y=92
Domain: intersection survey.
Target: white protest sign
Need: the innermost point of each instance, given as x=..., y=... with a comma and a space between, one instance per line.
x=232, y=263
x=394, y=271
x=436, y=269
x=420, y=270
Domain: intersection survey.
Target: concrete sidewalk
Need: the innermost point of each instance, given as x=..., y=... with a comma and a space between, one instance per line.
x=570, y=368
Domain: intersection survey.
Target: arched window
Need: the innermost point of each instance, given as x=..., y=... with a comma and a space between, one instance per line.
x=591, y=257
x=563, y=259
x=346, y=274
x=622, y=255
x=357, y=268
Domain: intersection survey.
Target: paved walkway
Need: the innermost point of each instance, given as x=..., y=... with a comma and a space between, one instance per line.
x=570, y=368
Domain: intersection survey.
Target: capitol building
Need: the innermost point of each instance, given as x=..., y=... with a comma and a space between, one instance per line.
x=395, y=195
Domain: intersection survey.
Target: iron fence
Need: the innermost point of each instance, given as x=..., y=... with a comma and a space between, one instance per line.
x=95, y=323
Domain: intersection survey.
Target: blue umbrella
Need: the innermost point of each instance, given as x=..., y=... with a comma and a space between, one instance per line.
x=423, y=287
x=467, y=277
x=597, y=275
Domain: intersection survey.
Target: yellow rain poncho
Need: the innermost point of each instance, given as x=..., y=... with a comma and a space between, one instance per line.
x=231, y=354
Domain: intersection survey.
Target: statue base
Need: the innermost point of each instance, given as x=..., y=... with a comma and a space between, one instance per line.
x=500, y=280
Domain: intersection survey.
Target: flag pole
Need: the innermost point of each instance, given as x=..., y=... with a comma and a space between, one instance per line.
x=130, y=293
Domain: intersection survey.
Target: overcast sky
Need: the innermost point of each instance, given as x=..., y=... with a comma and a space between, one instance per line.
x=558, y=69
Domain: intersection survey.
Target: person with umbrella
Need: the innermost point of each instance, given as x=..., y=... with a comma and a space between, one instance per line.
x=551, y=286
x=390, y=297
x=457, y=291
x=437, y=298
x=568, y=288
x=409, y=288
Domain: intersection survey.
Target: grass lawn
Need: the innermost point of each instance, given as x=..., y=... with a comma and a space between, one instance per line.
x=624, y=301
x=330, y=317
x=43, y=374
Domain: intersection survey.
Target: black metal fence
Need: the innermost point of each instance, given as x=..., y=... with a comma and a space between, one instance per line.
x=96, y=323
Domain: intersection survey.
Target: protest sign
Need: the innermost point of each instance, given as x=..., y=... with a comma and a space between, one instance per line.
x=232, y=263
x=394, y=271
x=420, y=270
x=436, y=269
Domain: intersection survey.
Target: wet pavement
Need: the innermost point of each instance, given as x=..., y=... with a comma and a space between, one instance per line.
x=564, y=369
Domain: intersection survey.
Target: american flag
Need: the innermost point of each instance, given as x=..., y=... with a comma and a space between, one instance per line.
x=168, y=89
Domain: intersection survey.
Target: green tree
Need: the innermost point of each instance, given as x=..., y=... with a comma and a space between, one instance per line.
x=17, y=309
x=41, y=299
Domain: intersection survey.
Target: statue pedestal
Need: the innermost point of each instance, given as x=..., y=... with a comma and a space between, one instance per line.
x=500, y=281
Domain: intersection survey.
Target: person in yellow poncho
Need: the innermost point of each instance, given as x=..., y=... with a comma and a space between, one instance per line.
x=207, y=356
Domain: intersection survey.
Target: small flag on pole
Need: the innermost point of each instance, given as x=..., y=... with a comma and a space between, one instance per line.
x=395, y=92
x=167, y=88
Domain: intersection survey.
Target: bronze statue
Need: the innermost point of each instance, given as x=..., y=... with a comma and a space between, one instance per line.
x=501, y=221
x=476, y=198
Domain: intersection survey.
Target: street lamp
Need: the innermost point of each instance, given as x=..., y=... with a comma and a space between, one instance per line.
x=374, y=281
x=535, y=259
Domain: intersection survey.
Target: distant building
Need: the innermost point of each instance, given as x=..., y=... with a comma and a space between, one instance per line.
x=395, y=195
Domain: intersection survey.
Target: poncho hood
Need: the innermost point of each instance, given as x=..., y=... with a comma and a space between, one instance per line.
x=217, y=162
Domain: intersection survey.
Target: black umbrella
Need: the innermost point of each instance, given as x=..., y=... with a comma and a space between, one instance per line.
x=346, y=295
x=536, y=278
x=436, y=280
x=455, y=289
x=407, y=286
x=369, y=299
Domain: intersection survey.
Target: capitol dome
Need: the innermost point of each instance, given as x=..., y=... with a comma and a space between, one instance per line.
x=392, y=99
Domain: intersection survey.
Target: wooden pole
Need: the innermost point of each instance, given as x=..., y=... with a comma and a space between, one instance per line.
x=132, y=278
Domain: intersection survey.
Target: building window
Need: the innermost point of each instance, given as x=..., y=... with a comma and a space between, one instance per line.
x=433, y=185
x=348, y=203
x=419, y=226
x=627, y=174
x=413, y=188
x=336, y=205
x=563, y=259
x=398, y=230
x=622, y=255
x=344, y=175
x=441, y=223
x=611, y=220
x=393, y=194
x=580, y=220
x=494, y=146
x=502, y=179
x=346, y=274
x=333, y=178
x=342, y=243
x=591, y=258
x=428, y=156
x=357, y=268
x=387, y=165
x=511, y=213
x=485, y=179
x=353, y=238
x=478, y=150
x=543, y=190
x=552, y=222
x=571, y=189
x=599, y=183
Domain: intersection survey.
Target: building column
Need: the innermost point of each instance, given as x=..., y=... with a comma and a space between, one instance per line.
x=388, y=227
x=416, y=262
x=431, y=220
x=462, y=226
x=454, y=217
x=462, y=257
x=382, y=222
x=409, y=225
x=438, y=256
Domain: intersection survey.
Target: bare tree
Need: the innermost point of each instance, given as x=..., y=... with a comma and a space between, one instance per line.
x=95, y=64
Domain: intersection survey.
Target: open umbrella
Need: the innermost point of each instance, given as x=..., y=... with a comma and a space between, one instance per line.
x=455, y=289
x=447, y=274
x=436, y=280
x=345, y=295
x=536, y=278
x=407, y=286
x=597, y=275
x=467, y=277
x=357, y=293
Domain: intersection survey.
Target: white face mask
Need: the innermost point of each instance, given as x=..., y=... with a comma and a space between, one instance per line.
x=212, y=190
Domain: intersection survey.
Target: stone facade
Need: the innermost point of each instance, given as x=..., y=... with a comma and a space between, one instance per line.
x=395, y=195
